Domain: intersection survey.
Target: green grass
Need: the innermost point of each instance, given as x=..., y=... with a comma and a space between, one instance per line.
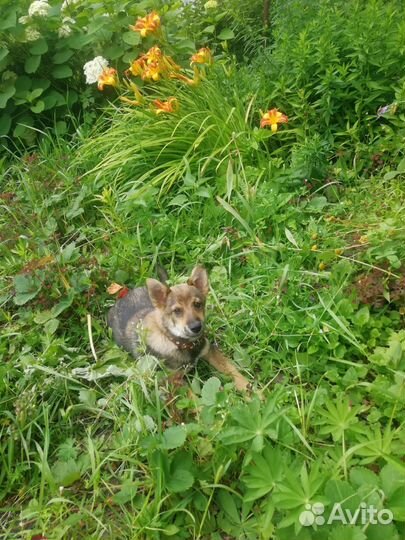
x=95, y=448
x=302, y=233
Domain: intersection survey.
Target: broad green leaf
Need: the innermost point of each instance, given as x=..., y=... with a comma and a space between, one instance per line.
x=391, y=174
x=174, y=437
x=210, y=390
x=263, y=473
x=53, y=99
x=3, y=52
x=88, y=397
x=396, y=503
x=38, y=107
x=26, y=287
x=179, y=200
x=362, y=316
x=62, y=72
x=226, y=33
x=5, y=94
x=226, y=502
x=131, y=38
x=39, y=47
x=360, y=476
x=391, y=479
x=32, y=63
x=126, y=493
x=317, y=204
x=344, y=532
x=209, y=29
x=5, y=124
x=8, y=20
x=180, y=480
x=43, y=316
x=51, y=326
x=66, y=473
x=62, y=56
x=78, y=41
x=63, y=304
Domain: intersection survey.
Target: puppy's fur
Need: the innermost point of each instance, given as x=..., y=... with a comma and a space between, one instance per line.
x=172, y=323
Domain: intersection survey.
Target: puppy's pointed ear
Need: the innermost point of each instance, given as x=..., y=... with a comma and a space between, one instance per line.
x=158, y=292
x=199, y=279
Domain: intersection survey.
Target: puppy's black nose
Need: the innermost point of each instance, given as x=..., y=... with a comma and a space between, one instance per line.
x=195, y=327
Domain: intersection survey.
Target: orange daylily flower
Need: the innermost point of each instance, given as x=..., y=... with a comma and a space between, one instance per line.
x=169, y=106
x=147, y=25
x=272, y=118
x=203, y=56
x=153, y=65
x=108, y=77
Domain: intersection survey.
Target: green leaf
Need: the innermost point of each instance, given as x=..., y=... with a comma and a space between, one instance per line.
x=39, y=47
x=78, y=41
x=227, y=503
x=127, y=492
x=290, y=237
x=264, y=473
x=26, y=287
x=317, y=204
x=180, y=480
x=5, y=124
x=9, y=20
x=6, y=94
x=51, y=326
x=66, y=473
x=210, y=390
x=3, y=52
x=179, y=200
x=34, y=94
x=62, y=72
x=174, y=437
x=401, y=166
x=32, y=63
x=391, y=479
x=62, y=56
x=61, y=127
x=343, y=532
x=209, y=29
x=362, y=316
x=390, y=175
x=63, y=304
x=43, y=316
x=226, y=33
x=38, y=107
x=396, y=503
x=360, y=476
x=131, y=38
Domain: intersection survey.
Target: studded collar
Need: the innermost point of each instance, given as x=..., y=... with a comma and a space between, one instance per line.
x=184, y=344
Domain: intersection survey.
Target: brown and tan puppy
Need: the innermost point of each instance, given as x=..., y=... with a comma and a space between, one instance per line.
x=170, y=321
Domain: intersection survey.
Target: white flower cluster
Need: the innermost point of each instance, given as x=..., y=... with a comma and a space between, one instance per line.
x=31, y=34
x=94, y=69
x=24, y=19
x=66, y=29
x=39, y=8
x=211, y=4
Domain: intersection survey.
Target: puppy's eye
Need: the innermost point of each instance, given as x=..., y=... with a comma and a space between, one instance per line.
x=178, y=311
x=198, y=305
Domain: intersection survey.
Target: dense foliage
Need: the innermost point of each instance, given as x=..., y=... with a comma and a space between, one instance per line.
x=300, y=221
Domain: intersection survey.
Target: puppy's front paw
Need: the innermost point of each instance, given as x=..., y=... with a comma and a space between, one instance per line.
x=242, y=383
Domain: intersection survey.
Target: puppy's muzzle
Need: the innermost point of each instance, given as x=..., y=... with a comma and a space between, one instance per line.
x=195, y=327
